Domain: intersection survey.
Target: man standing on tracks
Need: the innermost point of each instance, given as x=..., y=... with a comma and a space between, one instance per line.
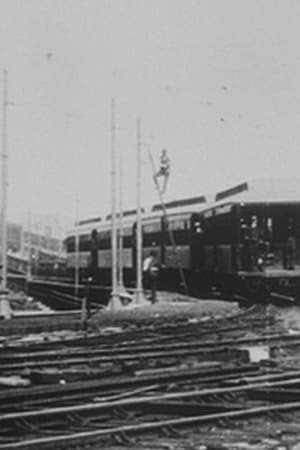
x=164, y=170
x=151, y=272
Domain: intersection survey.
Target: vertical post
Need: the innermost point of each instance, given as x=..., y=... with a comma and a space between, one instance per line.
x=114, y=303
x=4, y=185
x=5, y=310
x=22, y=241
x=76, y=275
x=140, y=298
x=37, y=246
x=29, y=236
x=121, y=280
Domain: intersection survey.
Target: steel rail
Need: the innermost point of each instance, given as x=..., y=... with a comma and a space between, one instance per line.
x=207, y=375
x=127, y=430
x=104, y=405
x=161, y=350
x=207, y=354
x=81, y=395
x=145, y=334
x=134, y=347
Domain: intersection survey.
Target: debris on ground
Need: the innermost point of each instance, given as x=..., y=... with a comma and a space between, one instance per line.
x=176, y=360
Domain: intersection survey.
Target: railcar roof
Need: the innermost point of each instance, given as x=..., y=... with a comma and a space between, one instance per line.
x=262, y=190
x=259, y=190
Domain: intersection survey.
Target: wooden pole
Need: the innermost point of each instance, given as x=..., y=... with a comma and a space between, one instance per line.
x=140, y=298
x=121, y=280
x=4, y=184
x=115, y=300
x=29, y=246
x=76, y=278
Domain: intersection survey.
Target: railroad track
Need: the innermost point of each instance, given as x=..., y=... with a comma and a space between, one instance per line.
x=144, y=381
x=155, y=330
x=135, y=354
x=16, y=398
x=92, y=423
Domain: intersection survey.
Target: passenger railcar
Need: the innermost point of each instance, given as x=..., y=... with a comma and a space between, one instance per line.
x=252, y=248
x=246, y=243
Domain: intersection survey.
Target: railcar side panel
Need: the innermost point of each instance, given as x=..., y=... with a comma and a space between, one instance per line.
x=181, y=256
x=223, y=261
x=209, y=258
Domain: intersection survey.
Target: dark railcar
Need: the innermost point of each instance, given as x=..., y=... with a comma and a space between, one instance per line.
x=246, y=248
x=252, y=248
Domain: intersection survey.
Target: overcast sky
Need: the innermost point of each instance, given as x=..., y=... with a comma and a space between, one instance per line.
x=215, y=82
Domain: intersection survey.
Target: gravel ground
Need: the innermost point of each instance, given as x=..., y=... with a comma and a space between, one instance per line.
x=169, y=306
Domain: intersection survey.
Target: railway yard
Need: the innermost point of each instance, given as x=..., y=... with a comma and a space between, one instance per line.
x=180, y=374
x=149, y=225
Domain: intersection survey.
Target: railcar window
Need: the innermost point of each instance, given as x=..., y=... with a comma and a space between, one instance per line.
x=127, y=231
x=273, y=223
x=85, y=243
x=152, y=233
x=285, y=225
x=104, y=235
x=152, y=227
x=224, y=209
x=70, y=244
x=104, y=240
x=208, y=214
x=175, y=225
x=127, y=241
x=179, y=228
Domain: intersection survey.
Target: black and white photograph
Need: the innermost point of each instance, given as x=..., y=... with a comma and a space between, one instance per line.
x=149, y=225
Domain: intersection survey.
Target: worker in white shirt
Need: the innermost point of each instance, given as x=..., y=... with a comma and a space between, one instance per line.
x=150, y=274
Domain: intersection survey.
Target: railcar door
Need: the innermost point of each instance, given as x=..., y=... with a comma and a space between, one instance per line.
x=286, y=235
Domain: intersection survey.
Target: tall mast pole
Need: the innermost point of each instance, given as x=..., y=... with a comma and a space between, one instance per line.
x=76, y=278
x=29, y=245
x=4, y=184
x=114, y=303
x=140, y=298
x=121, y=280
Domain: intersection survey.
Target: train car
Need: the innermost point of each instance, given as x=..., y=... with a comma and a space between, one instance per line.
x=252, y=239
x=246, y=243
x=90, y=242
x=156, y=230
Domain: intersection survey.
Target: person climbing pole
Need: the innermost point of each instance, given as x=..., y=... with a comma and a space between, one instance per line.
x=164, y=170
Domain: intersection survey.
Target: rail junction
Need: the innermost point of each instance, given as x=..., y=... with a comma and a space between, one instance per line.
x=129, y=381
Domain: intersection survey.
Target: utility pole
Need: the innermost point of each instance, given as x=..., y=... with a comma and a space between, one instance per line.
x=140, y=298
x=4, y=185
x=22, y=241
x=38, y=248
x=121, y=280
x=115, y=299
x=5, y=310
x=76, y=278
x=29, y=245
